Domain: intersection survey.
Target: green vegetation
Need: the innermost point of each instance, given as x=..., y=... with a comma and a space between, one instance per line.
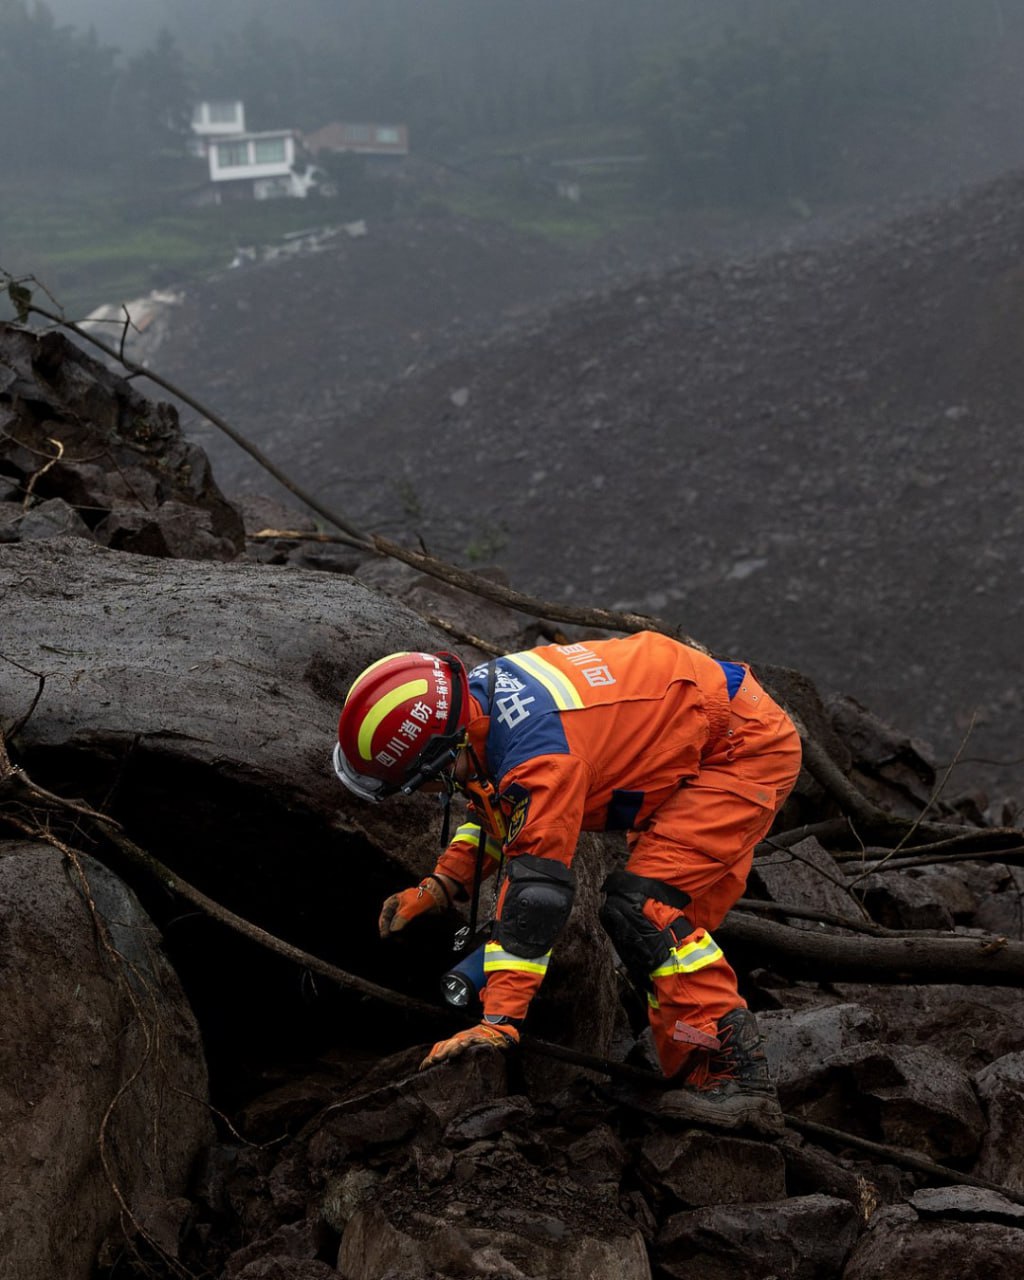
x=88, y=248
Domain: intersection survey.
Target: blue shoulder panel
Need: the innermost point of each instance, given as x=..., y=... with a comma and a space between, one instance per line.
x=524, y=719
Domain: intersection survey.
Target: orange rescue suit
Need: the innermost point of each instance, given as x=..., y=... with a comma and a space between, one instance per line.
x=688, y=755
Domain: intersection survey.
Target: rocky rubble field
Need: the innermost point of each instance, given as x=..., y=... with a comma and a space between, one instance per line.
x=210, y=1065
x=807, y=455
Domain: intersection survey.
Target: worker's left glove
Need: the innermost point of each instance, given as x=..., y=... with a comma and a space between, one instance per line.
x=493, y=1035
x=430, y=895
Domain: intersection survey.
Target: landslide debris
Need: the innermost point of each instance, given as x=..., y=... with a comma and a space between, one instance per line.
x=194, y=704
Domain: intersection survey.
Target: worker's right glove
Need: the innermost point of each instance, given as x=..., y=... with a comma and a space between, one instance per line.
x=486, y=1035
x=430, y=895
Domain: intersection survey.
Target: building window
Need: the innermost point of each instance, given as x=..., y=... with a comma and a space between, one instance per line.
x=268, y=151
x=359, y=133
x=388, y=136
x=230, y=155
x=223, y=112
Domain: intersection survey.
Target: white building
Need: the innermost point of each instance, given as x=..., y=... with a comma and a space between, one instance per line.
x=260, y=165
x=215, y=120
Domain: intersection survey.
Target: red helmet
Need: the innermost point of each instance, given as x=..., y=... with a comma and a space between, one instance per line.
x=402, y=722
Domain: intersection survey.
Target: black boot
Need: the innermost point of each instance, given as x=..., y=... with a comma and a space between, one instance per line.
x=732, y=1087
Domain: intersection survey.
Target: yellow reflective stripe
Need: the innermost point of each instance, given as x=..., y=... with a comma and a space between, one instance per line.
x=497, y=959
x=470, y=832
x=652, y=1000
x=690, y=957
x=561, y=689
x=413, y=689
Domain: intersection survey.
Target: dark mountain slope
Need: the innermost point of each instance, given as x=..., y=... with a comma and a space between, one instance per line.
x=811, y=458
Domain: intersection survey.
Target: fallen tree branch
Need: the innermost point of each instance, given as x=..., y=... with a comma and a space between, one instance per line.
x=899, y=1156
x=605, y=619
x=759, y=907
x=819, y=956
x=1010, y=856
x=973, y=838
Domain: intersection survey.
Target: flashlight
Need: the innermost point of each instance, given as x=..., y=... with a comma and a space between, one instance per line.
x=461, y=986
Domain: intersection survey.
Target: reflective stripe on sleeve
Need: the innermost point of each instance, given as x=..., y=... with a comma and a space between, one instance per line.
x=557, y=684
x=690, y=956
x=496, y=958
x=470, y=833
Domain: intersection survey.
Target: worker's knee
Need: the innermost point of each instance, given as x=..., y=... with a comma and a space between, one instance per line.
x=641, y=945
x=537, y=903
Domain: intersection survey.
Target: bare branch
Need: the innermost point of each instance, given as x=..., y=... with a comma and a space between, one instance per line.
x=991, y=961
x=899, y=1156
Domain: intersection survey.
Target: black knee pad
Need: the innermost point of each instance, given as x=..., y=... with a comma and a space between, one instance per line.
x=537, y=904
x=642, y=947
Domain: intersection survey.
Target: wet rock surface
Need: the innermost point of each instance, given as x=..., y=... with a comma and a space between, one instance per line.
x=103, y=1083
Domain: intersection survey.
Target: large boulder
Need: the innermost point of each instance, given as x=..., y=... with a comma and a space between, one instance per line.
x=102, y=1073
x=199, y=702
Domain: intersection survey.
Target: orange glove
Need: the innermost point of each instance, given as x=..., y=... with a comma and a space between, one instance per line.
x=485, y=1035
x=428, y=896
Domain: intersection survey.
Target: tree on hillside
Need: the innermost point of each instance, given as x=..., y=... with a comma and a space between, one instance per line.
x=54, y=87
x=769, y=111
x=151, y=106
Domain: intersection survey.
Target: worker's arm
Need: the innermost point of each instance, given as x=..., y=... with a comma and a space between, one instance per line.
x=544, y=800
x=451, y=881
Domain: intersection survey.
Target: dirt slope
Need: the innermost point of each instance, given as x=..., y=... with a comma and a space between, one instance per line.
x=809, y=458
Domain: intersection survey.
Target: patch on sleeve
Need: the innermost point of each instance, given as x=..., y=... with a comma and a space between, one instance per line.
x=515, y=804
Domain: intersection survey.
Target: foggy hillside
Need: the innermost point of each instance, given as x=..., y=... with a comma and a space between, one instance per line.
x=806, y=458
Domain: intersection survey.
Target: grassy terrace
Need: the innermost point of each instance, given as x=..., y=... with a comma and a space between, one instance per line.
x=96, y=239
x=90, y=243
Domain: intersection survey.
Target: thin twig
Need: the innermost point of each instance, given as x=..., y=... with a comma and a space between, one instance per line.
x=59, y=446
x=920, y=817
x=464, y=637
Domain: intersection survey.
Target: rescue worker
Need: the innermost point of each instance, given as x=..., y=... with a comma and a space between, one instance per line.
x=686, y=754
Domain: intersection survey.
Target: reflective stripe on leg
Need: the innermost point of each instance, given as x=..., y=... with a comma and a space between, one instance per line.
x=496, y=958
x=695, y=953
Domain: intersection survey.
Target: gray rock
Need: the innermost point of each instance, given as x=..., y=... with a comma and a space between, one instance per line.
x=725, y=1170
x=75, y=1034
x=488, y=1119
x=917, y=1097
x=170, y=530
x=802, y=1238
x=52, y=519
x=1001, y=911
x=1000, y=1087
x=806, y=875
x=900, y=902
x=949, y=887
x=295, y=1241
x=801, y=1043
x=434, y=1248
x=914, y=1250
x=967, y=1204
